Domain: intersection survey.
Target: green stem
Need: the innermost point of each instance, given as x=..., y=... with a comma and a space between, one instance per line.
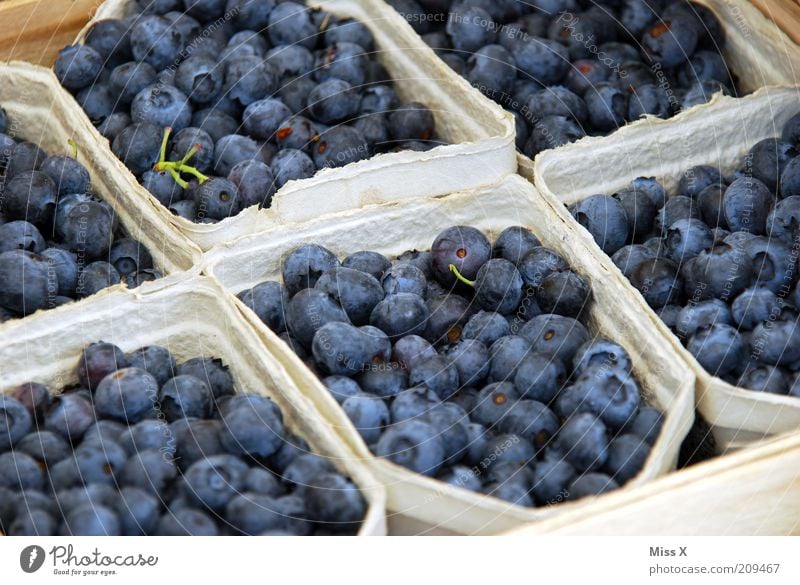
x=176, y=167
x=74, y=147
x=460, y=277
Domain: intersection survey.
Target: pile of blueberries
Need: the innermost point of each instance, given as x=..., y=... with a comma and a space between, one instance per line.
x=144, y=446
x=468, y=363
x=718, y=260
x=571, y=68
x=58, y=241
x=257, y=93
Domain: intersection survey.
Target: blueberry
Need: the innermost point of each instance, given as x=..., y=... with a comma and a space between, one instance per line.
x=157, y=360
x=591, y=484
x=513, y=492
x=231, y=150
x=607, y=106
x=702, y=92
x=104, y=430
x=790, y=177
x=215, y=123
x=507, y=354
x=627, y=455
x=185, y=396
x=765, y=379
x=539, y=263
x=464, y=247
x=686, y=238
x=162, y=186
x=340, y=146
x=699, y=315
x=127, y=395
x=774, y=263
x=252, y=429
x=460, y=476
x=494, y=402
x=486, y=327
x=250, y=513
x=69, y=416
x=471, y=359
x=746, y=204
x=26, y=282
x=297, y=132
x=384, y=380
x=400, y=314
x=605, y=219
x=290, y=23
x=404, y=278
x=503, y=449
x=147, y=434
x=186, y=139
x=719, y=348
x=30, y=196
x=782, y=222
x=558, y=101
x=341, y=387
x=308, y=311
x=357, y=292
x=291, y=164
x=33, y=522
x=413, y=444
x=564, y=293
x=555, y=335
x=552, y=132
x=217, y=199
x=610, y=394
x=646, y=424
x=137, y=146
x=369, y=415
x=186, y=522
x=722, y=272
x=437, y=374
x=652, y=188
x=24, y=157
x=467, y=28
x=34, y=397
x=412, y=403
x=584, y=74
x=492, y=70
x=87, y=228
x=670, y=42
x=542, y=60
x=99, y=462
x=19, y=471
x=658, y=280
x=20, y=235
x=15, y=421
x=648, y=99
x=269, y=301
x=412, y=349
x=155, y=41
x=95, y=277
x=249, y=78
x=262, y=118
x=304, y=265
x=97, y=102
x=254, y=182
x=776, y=343
x=129, y=256
x=333, y=100
x=640, y=211
x=552, y=478
x=91, y=520
x=212, y=371
x=582, y=442
x=532, y=421
x=767, y=160
x=498, y=286
x=77, y=66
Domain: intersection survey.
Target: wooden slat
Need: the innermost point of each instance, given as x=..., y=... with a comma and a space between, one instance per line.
x=785, y=13
x=35, y=30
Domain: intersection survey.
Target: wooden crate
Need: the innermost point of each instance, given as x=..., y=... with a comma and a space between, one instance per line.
x=36, y=30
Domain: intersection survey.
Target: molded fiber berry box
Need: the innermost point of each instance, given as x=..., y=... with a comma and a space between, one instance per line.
x=758, y=52
x=191, y=318
x=753, y=492
x=717, y=134
x=480, y=137
x=41, y=111
x=415, y=500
